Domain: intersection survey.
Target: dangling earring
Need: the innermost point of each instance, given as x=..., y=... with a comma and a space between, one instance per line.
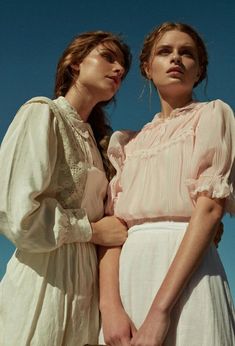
x=142, y=91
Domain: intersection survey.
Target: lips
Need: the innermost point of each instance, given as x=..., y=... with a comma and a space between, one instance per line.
x=116, y=79
x=175, y=69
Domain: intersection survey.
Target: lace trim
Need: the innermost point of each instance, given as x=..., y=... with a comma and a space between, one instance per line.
x=153, y=150
x=72, y=161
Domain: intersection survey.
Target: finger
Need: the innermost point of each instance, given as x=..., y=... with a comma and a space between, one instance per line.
x=133, y=329
x=122, y=221
x=125, y=342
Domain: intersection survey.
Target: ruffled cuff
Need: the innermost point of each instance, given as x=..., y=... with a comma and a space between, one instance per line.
x=214, y=187
x=79, y=228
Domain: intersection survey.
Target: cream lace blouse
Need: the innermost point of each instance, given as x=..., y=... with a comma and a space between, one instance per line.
x=52, y=178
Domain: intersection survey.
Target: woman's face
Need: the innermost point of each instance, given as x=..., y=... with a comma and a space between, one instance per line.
x=101, y=72
x=174, y=63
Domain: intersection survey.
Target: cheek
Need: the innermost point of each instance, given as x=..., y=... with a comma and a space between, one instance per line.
x=194, y=68
x=156, y=69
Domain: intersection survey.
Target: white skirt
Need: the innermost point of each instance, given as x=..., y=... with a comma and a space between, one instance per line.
x=204, y=315
x=50, y=299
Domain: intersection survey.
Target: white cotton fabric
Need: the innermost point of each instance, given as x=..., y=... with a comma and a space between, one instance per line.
x=52, y=186
x=204, y=315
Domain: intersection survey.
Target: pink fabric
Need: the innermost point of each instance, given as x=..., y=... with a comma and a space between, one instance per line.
x=162, y=168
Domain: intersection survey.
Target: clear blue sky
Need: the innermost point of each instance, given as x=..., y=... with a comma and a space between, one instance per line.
x=34, y=34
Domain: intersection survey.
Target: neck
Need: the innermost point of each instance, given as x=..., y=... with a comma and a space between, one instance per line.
x=81, y=100
x=168, y=104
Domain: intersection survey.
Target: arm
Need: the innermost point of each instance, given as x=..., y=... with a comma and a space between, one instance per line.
x=118, y=329
x=219, y=234
x=198, y=237
x=210, y=185
x=31, y=217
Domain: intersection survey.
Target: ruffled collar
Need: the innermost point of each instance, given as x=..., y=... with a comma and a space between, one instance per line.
x=72, y=116
x=66, y=106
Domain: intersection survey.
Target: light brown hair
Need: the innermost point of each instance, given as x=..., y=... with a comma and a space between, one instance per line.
x=151, y=40
x=74, y=54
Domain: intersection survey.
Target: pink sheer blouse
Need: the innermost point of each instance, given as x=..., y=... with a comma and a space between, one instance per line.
x=162, y=168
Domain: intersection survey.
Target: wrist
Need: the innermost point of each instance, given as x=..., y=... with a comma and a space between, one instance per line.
x=157, y=314
x=110, y=305
x=161, y=306
x=93, y=232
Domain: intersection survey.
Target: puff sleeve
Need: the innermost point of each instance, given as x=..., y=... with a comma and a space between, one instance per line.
x=116, y=154
x=213, y=155
x=33, y=220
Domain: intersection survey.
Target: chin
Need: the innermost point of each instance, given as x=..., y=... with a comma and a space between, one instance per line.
x=106, y=100
x=107, y=97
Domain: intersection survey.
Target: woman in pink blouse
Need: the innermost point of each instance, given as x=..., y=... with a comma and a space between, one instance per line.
x=173, y=185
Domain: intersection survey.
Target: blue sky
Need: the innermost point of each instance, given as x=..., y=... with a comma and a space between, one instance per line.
x=34, y=34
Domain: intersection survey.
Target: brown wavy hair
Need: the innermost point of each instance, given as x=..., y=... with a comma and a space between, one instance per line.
x=154, y=36
x=74, y=54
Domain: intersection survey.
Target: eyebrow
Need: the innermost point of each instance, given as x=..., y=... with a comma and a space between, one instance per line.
x=169, y=46
x=163, y=46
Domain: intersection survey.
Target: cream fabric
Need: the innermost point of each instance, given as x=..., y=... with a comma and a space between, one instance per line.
x=52, y=186
x=204, y=314
x=161, y=169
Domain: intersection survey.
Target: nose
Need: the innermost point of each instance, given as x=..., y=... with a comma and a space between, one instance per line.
x=118, y=69
x=176, y=58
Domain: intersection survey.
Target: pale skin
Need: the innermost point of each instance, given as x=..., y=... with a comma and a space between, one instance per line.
x=174, y=69
x=99, y=78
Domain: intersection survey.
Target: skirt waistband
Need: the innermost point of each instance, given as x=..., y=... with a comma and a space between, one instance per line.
x=161, y=225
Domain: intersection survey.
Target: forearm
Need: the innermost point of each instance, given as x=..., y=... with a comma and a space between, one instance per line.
x=116, y=324
x=199, y=235
x=109, y=277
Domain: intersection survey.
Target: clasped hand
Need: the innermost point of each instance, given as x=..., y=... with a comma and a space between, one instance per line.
x=153, y=331
x=109, y=231
x=119, y=330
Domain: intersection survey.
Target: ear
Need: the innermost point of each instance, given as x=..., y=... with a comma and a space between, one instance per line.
x=75, y=67
x=147, y=70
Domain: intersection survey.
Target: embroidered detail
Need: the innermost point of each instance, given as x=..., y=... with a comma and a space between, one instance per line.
x=70, y=172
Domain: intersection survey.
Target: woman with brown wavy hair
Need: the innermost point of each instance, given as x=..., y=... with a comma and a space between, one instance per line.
x=54, y=175
x=175, y=180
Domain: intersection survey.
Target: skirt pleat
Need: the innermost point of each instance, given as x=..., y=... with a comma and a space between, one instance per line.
x=204, y=315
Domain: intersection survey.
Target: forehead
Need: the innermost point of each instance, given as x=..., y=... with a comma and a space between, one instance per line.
x=175, y=37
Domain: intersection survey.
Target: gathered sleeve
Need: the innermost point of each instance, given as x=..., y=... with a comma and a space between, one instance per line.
x=212, y=165
x=30, y=217
x=116, y=154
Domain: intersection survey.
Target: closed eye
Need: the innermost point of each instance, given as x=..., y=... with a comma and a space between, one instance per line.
x=164, y=51
x=187, y=52
x=108, y=56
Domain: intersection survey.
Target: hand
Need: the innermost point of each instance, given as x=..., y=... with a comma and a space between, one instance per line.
x=219, y=233
x=109, y=231
x=118, y=329
x=153, y=331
